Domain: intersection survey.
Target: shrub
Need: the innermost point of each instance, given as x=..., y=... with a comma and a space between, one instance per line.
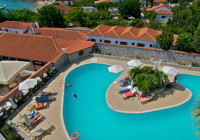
x=6, y=129
x=195, y=64
x=108, y=53
x=147, y=78
x=137, y=56
x=12, y=136
x=182, y=63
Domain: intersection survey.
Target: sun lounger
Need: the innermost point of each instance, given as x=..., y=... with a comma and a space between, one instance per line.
x=123, y=81
x=129, y=94
x=41, y=131
x=46, y=93
x=144, y=98
x=124, y=89
x=39, y=105
x=44, y=99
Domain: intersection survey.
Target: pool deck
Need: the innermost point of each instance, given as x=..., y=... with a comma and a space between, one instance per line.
x=53, y=112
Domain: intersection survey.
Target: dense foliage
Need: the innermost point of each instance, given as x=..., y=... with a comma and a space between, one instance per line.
x=21, y=15
x=147, y=79
x=2, y=15
x=130, y=8
x=50, y=16
x=165, y=40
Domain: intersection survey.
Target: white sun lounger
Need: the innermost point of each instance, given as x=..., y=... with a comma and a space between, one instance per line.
x=41, y=131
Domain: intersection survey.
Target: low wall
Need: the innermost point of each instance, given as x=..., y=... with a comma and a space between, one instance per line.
x=146, y=61
x=148, y=53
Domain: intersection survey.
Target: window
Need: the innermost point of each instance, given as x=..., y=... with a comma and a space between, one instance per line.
x=100, y=40
x=133, y=43
x=16, y=32
x=0, y=29
x=6, y=30
x=81, y=52
x=163, y=17
x=123, y=43
x=107, y=41
x=93, y=40
x=151, y=45
x=116, y=42
x=140, y=44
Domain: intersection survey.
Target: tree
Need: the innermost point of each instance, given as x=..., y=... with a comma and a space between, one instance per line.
x=130, y=8
x=195, y=46
x=25, y=15
x=76, y=16
x=184, y=42
x=165, y=40
x=2, y=15
x=50, y=16
x=83, y=3
x=103, y=5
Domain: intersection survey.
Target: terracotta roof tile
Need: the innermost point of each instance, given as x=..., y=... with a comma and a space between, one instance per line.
x=72, y=45
x=159, y=0
x=133, y=33
x=61, y=33
x=15, y=24
x=158, y=6
x=164, y=12
x=27, y=47
x=63, y=8
x=98, y=1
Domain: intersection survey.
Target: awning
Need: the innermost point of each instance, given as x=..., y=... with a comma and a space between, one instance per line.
x=11, y=69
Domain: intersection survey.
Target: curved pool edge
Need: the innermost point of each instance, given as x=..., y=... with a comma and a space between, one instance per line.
x=146, y=111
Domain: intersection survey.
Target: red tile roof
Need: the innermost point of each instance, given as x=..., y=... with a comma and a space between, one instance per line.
x=145, y=34
x=63, y=8
x=27, y=47
x=159, y=0
x=15, y=24
x=158, y=6
x=98, y=1
x=72, y=45
x=78, y=29
x=38, y=48
x=61, y=33
x=164, y=12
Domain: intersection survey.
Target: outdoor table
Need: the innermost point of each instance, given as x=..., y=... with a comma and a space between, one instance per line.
x=12, y=85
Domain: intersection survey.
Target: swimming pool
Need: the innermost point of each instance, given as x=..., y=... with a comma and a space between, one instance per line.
x=91, y=117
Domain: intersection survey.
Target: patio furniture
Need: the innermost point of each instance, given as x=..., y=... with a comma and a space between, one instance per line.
x=143, y=98
x=37, y=133
x=46, y=93
x=44, y=99
x=125, y=89
x=123, y=81
x=129, y=94
x=40, y=105
x=12, y=85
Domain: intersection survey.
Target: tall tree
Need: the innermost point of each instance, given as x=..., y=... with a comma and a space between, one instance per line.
x=50, y=16
x=2, y=15
x=76, y=16
x=165, y=40
x=130, y=8
x=184, y=42
x=21, y=15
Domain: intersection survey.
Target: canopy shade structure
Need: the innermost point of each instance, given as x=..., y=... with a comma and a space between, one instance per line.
x=27, y=84
x=170, y=71
x=11, y=69
x=134, y=63
x=115, y=69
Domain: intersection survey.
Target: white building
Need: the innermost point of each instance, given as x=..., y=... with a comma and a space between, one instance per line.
x=15, y=26
x=113, y=10
x=65, y=2
x=132, y=36
x=164, y=13
x=89, y=9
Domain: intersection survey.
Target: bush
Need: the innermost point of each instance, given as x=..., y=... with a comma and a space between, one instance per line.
x=147, y=78
x=195, y=64
x=6, y=129
x=182, y=63
x=12, y=136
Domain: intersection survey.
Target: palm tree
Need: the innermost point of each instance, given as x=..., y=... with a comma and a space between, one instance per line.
x=196, y=115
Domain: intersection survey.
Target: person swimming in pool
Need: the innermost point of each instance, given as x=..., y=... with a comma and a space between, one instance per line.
x=75, y=96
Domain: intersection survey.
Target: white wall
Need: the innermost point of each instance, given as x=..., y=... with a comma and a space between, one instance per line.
x=113, y=41
x=12, y=30
x=164, y=20
x=162, y=8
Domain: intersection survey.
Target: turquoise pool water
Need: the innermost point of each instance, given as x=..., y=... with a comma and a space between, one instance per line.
x=90, y=116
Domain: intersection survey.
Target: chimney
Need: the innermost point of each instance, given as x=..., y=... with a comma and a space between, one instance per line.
x=56, y=34
x=37, y=24
x=30, y=31
x=33, y=29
